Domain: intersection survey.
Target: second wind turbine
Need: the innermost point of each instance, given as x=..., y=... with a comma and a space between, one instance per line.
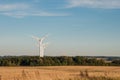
x=42, y=45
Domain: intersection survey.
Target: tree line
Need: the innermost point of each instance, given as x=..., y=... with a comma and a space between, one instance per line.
x=54, y=61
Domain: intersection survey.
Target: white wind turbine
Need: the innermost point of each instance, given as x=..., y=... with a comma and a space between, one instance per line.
x=42, y=45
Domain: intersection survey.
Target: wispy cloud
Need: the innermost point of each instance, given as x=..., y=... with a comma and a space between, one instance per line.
x=20, y=10
x=105, y=4
x=35, y=13
x=11, y=7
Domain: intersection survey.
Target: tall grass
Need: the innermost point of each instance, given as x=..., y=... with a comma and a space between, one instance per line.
x=83, y=75
x=0, y=77
x=60, y=73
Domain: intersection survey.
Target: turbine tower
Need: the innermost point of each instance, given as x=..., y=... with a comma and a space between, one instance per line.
x=42, y=45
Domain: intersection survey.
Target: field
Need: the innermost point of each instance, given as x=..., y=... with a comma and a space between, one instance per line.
x=60, y=73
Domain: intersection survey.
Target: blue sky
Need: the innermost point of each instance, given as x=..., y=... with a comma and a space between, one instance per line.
x=75, y=27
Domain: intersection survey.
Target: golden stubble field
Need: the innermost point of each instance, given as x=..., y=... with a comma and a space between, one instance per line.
x=58, y=72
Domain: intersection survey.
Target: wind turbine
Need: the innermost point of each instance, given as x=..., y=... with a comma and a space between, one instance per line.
x=42, y=45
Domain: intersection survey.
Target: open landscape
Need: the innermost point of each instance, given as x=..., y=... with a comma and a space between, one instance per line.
x=60, y=73
x=59, y=39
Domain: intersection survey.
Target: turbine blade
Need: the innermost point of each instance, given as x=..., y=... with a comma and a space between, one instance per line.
x=36, y=38
x=43, y=38
x=45, y=45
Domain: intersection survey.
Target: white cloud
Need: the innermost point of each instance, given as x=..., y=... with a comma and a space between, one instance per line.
x=105, y=4
x=22, y=10
x=10, y=7
x=14, y=14
x=36, y=13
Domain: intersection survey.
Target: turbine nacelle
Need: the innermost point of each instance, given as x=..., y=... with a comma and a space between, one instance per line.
x=39, y=39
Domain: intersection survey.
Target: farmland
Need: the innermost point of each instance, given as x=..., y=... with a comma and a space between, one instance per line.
x=60, y=73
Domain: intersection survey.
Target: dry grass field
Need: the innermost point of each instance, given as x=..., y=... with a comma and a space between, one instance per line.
x=60, y=73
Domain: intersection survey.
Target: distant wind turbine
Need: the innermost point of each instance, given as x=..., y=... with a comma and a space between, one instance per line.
x=42, y=45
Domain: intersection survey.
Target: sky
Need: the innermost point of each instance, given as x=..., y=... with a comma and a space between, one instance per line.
x=75, y=27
